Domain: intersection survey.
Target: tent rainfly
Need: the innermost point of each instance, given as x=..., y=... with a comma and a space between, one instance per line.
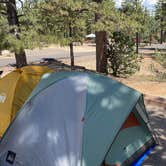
x=15, y=88
x=78, y=119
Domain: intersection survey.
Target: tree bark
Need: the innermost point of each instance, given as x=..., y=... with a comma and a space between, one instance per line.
x=71, y=47
x=13, y=21
x=137, y=42
x=161, y=23
x=161, y=36
x=71, y=54
x=20, y=59
x=150, y=40
x=101, y=57
x=101, y=46
x=137, y=35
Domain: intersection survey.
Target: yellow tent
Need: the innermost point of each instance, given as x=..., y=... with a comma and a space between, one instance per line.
x=15, y=88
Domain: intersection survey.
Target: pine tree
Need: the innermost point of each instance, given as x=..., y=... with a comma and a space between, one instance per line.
x=3, y=24
x=21, y=28
x=13, y=21
x=135, y=10
x=10, y=13
x=150, y=28
x=161, y=17
x=65, y=21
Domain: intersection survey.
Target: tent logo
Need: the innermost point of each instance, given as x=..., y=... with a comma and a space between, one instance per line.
x=10, y=157
x=3, y=97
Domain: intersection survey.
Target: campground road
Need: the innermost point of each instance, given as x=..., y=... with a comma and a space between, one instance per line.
x=38, y=54
x=63, y=53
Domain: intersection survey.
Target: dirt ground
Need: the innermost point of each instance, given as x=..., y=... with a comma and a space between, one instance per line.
x=144, y=80
x=156, y=108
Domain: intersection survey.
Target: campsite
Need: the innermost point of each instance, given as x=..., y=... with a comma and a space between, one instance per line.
x=82, y=83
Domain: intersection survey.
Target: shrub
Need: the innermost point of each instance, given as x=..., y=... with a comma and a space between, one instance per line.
x=122, y=60
x=160, y=57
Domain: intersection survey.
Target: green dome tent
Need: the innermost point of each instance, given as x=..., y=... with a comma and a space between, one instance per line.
x=78, y=119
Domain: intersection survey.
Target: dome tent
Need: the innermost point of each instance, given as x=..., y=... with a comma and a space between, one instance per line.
x=15, y=88
x=78, y=119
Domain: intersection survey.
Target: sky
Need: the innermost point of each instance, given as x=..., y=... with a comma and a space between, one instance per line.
x=147, y=3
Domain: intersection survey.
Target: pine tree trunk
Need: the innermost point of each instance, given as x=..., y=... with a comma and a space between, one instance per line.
x=101, y=43
x=13, y=21
x=71, y=46
x=150, y=40
x=71, y=55
x=137, y=35
x=101, y=58
x=137, y=42
x=161, y=22
x=161, y=36
x=20, y=59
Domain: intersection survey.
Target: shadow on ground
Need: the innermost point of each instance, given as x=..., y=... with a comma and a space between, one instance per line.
x=157, y=112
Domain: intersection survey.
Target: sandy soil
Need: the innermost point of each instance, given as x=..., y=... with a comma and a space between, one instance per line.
x=147, y=87
x=89, y=62
x=156, y=108
x=144, y=80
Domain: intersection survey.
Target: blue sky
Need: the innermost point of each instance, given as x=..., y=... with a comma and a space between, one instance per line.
x=148, y=3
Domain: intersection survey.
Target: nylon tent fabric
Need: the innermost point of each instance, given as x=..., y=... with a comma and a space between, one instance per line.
x=70, y=119
x=7, y=90
x=29, y=78
x=16, y=88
